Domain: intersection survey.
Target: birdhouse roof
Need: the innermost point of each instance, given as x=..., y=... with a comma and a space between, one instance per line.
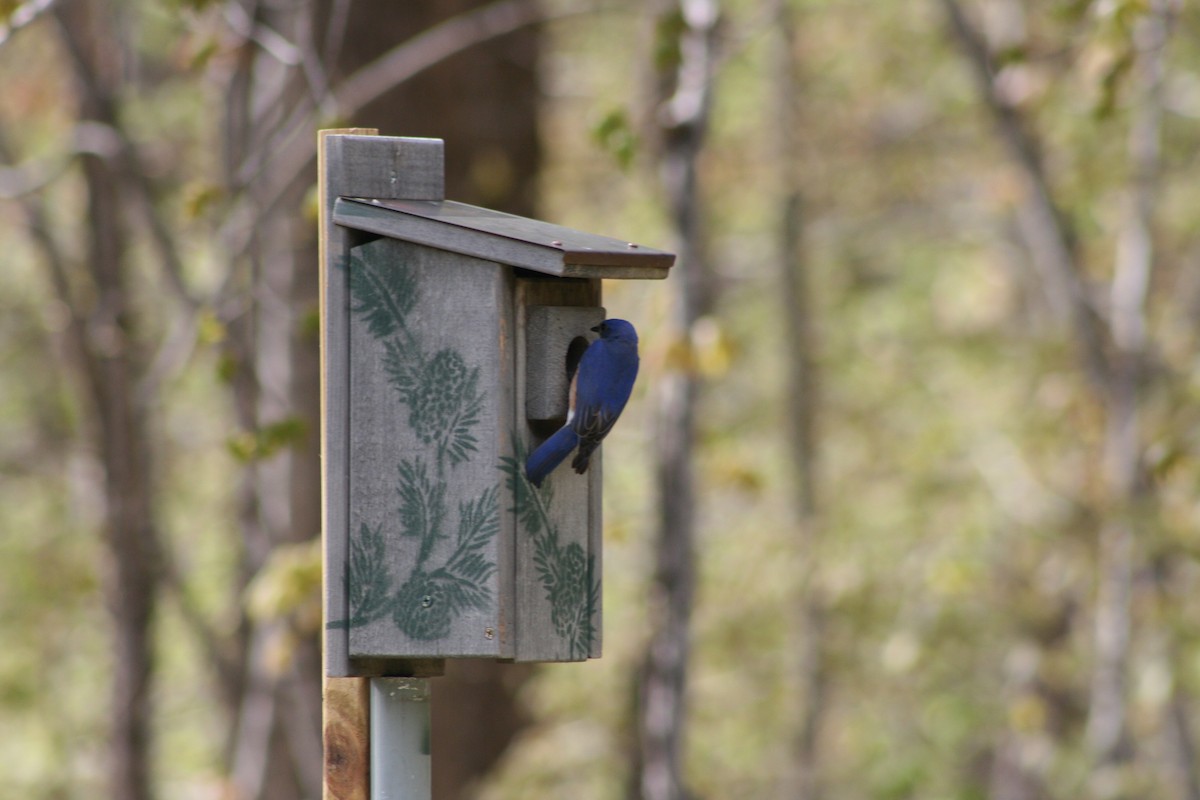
x=503, y=238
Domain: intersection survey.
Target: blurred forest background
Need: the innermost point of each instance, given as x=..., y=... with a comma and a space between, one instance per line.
x=905, y=504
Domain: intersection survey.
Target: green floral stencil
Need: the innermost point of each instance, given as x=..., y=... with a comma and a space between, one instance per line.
x=372, y=579
x=441, y=392
x=443, y=398
x=430, y=599
x=567, y=573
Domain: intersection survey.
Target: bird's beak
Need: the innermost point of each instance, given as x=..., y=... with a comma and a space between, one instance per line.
x=596, y=329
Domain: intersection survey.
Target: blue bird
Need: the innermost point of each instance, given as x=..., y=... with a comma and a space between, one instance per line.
x=599, y=390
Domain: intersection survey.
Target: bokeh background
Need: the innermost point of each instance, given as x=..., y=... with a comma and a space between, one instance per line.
x=905, y=501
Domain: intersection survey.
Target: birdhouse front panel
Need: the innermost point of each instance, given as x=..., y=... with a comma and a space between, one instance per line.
x=431, y=365
x=558, y=525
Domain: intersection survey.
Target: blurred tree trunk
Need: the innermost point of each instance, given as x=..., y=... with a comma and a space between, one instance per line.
x=1107, y=728
x=682, y=104
x=281, y=73
x=285, y=67
x=270, y=355
x=105, y=329
x=802, y=407
x=1114, y=349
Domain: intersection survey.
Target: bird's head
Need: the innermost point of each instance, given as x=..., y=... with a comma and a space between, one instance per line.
x=616, y=330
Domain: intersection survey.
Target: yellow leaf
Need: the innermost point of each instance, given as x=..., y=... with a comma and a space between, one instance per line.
x=287, y=584
x=712, y=350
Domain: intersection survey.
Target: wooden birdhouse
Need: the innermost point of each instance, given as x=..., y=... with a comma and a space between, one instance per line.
x=449, y=336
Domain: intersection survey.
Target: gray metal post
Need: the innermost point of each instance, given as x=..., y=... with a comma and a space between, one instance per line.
x=400, y=761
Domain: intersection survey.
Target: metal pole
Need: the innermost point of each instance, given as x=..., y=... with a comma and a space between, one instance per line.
x=400, y=739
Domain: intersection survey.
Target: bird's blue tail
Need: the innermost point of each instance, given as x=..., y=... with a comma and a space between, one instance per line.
x=541, y=462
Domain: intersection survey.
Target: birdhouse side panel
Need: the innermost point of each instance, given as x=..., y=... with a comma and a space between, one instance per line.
x=557, y=548
x=429, y=565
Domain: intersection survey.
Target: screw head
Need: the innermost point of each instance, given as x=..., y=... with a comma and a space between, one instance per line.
x=489, y=633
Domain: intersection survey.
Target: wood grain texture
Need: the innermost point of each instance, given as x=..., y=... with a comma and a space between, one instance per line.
x=345, y=705
x=347, y=748
x=392, y=167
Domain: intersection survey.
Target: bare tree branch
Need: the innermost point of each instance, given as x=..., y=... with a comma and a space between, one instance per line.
x=277, y=170
x=1045, y=226
x=433, y=46
x=1107, y=725
x=40, y=229
x=1116, y=372
x=335, y=30
x=111, y=359
x=683, y=107
x=801, y=408
x=23, y=15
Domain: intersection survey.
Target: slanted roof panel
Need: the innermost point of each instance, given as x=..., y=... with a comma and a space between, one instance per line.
x=504, y=238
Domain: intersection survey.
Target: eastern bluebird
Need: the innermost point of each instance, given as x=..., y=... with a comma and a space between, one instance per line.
x=599, y=390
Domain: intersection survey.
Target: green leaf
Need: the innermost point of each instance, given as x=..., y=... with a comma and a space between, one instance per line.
x=668, y=34
x=383, y=294
x=461, y=593
x=422, y=506
x=461, y=442
x=268, y=440
x=614, y=133
x=478, y=526
x=370, y=580
x=402, y=365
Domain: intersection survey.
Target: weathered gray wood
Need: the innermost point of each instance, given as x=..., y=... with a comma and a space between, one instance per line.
x=389, y=167
x=551, y=331
x=427, y=407
x=507, y=434
x=595, y=547
x=504, y=238
x=557, y=581
x=335, y=417
x=350, y=163
x=443, y=368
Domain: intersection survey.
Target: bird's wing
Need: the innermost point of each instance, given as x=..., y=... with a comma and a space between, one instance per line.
x=602, y=386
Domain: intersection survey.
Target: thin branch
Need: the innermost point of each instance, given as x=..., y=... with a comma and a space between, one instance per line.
x=335, y=30
x=38, y=225
x=1107, y=720
x=22, y=180
x=802, y=404
x=1043, y=222
x=267, y=38
x=22, y=16
x=315, y=74
x=1135, y=247
x=119, y=146
x=433, y=46
x=683, y=102
x=284, y=165
x=224, y=665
